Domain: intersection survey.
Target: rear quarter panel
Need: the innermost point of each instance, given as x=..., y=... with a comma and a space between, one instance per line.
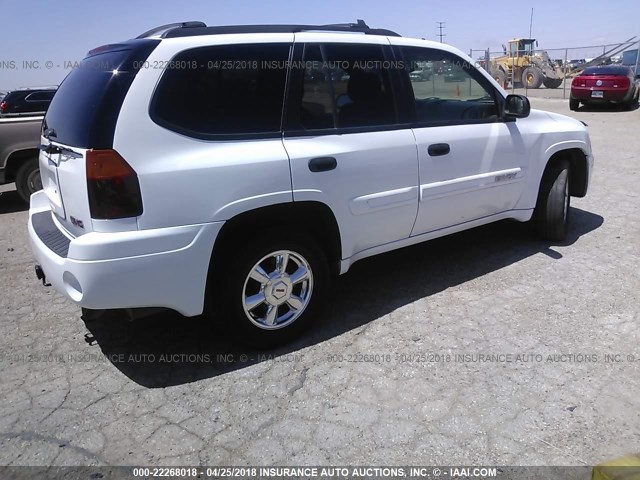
x=187, y=181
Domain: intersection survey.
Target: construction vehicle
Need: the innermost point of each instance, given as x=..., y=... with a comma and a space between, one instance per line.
x=522, y=63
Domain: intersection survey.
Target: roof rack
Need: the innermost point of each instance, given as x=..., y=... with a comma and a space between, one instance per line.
x=163, y=29
x=187, y=29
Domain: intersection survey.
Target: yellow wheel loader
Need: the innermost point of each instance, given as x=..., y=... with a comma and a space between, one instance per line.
x=521, y=63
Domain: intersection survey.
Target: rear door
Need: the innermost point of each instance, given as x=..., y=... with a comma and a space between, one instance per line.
x=344, y=143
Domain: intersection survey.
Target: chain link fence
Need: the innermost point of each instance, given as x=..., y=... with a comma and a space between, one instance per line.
x=558, y=64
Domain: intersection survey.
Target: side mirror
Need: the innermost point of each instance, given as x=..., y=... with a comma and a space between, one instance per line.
x=516, y=106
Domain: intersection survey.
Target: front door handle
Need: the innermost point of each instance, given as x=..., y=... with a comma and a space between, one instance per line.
x=438, y=149
x=322, y=164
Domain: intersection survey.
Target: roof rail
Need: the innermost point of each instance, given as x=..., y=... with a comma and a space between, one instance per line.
x=163, y=29
x=39, y=87
x=175, y=30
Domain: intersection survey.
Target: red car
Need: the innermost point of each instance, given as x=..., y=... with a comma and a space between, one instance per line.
x=610, y=83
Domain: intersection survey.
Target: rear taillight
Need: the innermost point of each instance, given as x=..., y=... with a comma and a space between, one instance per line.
x=113, y=187
x=578, y=82
x=622, y=82
x=4, y=107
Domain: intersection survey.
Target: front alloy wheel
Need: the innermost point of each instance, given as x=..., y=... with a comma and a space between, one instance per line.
x=277, y=290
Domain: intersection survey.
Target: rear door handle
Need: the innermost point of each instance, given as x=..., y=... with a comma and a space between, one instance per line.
x=322, y=164
x=438, y=149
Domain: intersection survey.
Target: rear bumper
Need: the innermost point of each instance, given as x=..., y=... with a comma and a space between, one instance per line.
x=584, y=94
x=164, y=267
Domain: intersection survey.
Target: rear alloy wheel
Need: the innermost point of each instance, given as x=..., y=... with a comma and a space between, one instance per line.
x=275, y=290
x=551, y=215
x=532, y=77
x=28, y=179
x=574, y=104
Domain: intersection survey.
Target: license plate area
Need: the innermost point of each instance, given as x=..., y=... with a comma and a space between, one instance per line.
x=597, y=94
x=50, y=184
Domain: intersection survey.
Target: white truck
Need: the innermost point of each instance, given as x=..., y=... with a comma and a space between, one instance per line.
x=19, y=141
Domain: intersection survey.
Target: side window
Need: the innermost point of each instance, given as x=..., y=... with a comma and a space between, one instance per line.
x=343, y=86
x=317, y=109
x=225, y=90
x=446, y=88
x=39, y=97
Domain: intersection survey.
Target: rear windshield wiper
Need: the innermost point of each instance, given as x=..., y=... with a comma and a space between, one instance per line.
x=53, y=150
x=49, y=133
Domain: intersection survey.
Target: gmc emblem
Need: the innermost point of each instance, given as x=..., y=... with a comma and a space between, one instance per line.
x=77, y=223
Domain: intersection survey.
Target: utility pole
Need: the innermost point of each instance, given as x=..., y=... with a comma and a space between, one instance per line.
x=531, y=23
x=440, y=27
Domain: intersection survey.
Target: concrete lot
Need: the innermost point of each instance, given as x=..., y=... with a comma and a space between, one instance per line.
x=164, y=390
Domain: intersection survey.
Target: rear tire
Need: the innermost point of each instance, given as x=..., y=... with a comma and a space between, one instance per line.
x=28, y=179
x=630, y=105
x=532, y=77
x=266, y=311
x=552, y=82
x=551, y=215
x=574, y=104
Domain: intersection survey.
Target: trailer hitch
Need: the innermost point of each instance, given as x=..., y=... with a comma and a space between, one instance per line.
x=41, y=276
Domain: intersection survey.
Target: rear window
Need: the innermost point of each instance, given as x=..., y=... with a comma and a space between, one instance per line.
x=86, y=106
x=14, y=96
x=223, y=91
x=607, y=71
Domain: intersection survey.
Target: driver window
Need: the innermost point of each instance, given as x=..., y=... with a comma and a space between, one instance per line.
x=446, y=88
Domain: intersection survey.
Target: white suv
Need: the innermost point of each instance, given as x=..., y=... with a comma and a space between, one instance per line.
x=235, y=169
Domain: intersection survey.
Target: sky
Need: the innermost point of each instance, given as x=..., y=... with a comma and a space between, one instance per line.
x=64, y=31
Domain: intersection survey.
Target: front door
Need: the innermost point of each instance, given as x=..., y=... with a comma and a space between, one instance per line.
x=472, y=164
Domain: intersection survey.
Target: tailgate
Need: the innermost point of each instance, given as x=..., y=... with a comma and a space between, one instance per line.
x=82, y=117
x=602, y=81
x=63, y=173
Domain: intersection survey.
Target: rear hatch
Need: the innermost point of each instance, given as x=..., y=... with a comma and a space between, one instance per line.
x=82, y=118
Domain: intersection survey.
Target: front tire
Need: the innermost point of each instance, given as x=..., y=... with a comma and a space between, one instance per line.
x=28, y=179
x=500, y=77
x=273, y=290
x=551, y=215
x=532, y=77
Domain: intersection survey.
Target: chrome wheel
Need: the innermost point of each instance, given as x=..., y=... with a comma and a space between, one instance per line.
x=277, y=290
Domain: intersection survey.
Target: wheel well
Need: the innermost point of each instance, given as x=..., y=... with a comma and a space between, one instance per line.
x=315, y=218
x=578, y=172
x=16, y=159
